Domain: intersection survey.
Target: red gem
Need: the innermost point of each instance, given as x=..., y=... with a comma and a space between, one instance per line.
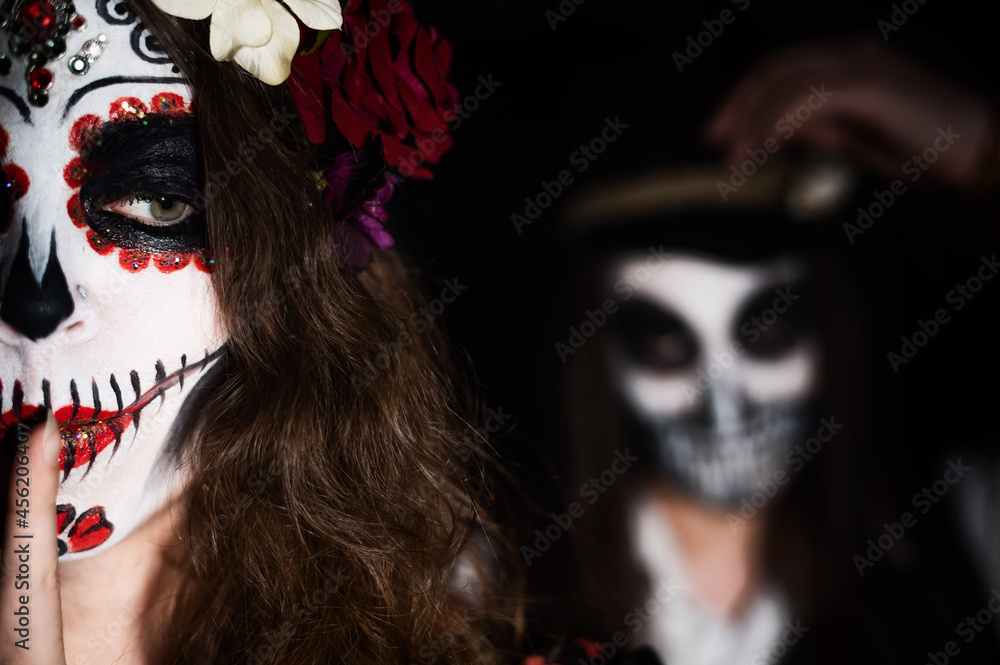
x=40, y=79
x=79, y=23
x=38, y=19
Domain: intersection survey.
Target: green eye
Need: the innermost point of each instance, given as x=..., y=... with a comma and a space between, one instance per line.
x=166, y=209
x=153, y=209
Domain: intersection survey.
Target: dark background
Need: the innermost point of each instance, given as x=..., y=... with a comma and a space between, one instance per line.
x=611, y=59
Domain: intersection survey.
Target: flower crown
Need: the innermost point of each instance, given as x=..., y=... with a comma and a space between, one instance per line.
x=371, y=88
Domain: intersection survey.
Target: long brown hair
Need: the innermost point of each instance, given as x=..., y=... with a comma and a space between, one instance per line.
x=331, y=498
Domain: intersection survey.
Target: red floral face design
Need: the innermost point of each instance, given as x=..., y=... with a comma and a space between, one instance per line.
x=84, y=532
x=15, y=183
x=85, y=137
x=103, y=319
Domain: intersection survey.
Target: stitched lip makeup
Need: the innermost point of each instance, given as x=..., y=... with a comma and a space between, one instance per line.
x=88, y=430
x=106, y=269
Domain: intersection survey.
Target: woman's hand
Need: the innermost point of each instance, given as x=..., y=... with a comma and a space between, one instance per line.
x=877, y=106
x=30, y=605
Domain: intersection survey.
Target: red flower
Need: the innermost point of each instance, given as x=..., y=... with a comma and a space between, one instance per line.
x=387, y=80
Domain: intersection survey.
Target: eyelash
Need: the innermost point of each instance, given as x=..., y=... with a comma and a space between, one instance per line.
x=136, y=198
x=186, y=236
x=147, y=162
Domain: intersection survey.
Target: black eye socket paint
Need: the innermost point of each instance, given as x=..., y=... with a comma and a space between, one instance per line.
x=773, y=320
x=655, y=337
x=139, y=159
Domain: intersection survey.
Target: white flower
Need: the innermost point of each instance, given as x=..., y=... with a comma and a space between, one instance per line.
x=260, y=35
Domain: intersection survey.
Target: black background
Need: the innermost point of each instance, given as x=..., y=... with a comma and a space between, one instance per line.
x=611, y=59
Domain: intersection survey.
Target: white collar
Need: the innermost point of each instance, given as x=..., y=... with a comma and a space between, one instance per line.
x=683, y=630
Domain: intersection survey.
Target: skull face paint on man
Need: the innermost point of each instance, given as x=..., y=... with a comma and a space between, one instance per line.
x=716, y=362
x=108, y=315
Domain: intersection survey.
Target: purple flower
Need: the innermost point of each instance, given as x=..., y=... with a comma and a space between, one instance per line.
x=358, y=190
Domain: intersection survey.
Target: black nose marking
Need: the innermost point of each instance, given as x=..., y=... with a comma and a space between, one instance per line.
x=34, y=309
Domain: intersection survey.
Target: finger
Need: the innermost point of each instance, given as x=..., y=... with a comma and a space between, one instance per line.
x=30, y=604
x=788, y=104
x=838, y=139
x=817, y=63
x=756, y=86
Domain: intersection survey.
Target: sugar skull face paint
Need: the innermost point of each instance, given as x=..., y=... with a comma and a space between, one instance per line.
x=718, y=362
x=108, y=315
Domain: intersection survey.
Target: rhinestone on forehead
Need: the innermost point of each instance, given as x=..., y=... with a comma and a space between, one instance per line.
x=37, y=32
x=92, y=49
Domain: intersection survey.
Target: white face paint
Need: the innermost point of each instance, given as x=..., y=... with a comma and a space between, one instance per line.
x=108, y=314
x=714, y=358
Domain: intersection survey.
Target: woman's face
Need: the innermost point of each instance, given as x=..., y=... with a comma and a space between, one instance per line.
x=108, y=315
x=719, y=362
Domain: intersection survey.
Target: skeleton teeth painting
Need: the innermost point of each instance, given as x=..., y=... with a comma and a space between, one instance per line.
x=108, y=317
x=716, y=363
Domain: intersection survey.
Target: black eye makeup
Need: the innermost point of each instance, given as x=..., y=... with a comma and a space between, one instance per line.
x=142, y=178
x=774, y=320
x=656, y=338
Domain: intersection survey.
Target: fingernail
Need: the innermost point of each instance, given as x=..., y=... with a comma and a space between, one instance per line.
x=52, y=441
